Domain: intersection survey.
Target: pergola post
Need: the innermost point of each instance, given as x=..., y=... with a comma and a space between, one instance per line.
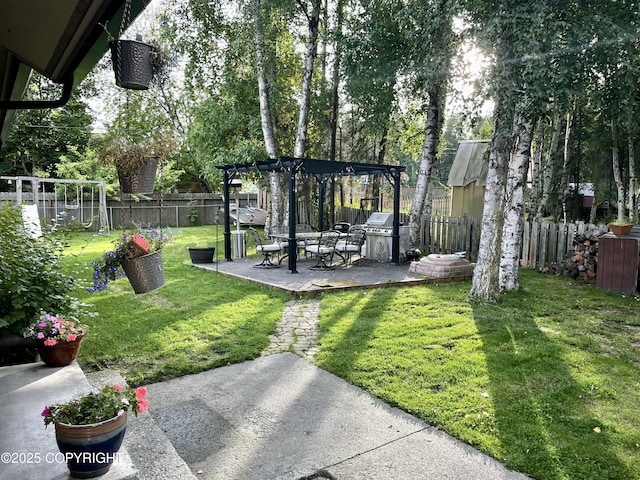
x=395, y=232
x=293, y=243
x=321, y=190
x=227, y=222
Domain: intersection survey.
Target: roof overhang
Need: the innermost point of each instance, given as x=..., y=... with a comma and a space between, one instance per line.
x=62, y=39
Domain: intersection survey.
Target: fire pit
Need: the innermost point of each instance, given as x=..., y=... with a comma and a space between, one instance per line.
x=443, y=266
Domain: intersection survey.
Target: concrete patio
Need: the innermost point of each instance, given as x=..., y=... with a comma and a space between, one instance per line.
x=362, y=273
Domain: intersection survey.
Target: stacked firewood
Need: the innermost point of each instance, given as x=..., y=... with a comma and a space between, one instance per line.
x=582, y=262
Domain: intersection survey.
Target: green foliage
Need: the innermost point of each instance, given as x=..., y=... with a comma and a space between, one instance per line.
x=31, y=276
x=98, y=406
x=41, y=137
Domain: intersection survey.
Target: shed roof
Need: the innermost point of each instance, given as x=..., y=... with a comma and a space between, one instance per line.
x=470, y=164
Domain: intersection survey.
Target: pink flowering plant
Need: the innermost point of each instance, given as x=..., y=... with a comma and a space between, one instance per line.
x=54, y=328
x=98, y=405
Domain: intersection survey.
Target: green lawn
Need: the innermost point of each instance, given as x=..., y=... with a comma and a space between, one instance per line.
x=546, y=381
x=197, y=321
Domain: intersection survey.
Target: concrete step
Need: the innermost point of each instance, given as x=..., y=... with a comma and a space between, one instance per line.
x=27, y=449
x=153, y=455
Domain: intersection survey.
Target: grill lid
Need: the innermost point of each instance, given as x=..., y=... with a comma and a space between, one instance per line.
x=380, y=220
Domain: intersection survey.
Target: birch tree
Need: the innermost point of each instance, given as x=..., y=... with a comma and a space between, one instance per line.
x=564, y=179
x=549, y=166
x=615, y=158
x=514, y=204
x=536, y=168
x=432, y=50
x=311, y=12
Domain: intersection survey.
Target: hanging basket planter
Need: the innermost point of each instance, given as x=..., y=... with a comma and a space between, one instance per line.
x=140, y=180
x=132, y=63
x=145, y=273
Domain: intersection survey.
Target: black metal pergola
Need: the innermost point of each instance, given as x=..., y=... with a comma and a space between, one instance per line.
x=321, y=171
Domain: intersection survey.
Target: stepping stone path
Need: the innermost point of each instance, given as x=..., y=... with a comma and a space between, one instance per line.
x=297, y=331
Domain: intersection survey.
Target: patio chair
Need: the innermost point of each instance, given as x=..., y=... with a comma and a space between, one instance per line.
x=324, y=249
x=352, y=244
x=266, y=249
x=302, y=244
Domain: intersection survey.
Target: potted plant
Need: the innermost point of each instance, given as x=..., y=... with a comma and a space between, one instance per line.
x=57, y=339
x=201, y=254
x=90, y=429
x=139, y=254
x=620, y=227
x=137, y=160
x=132, y=63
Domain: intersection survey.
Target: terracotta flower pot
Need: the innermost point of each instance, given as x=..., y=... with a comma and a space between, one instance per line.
x=620, y=228
x=61, y=354
x=91, y=449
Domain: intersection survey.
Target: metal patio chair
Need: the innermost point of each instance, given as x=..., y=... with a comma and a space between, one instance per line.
x=325, y=249
x=352, y=244
x=267, y=250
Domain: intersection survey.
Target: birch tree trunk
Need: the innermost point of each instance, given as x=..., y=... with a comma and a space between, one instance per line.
x=335, y=80
x=564, y=180
x=617, y=177
x=486, y=284
x=536, y=169
x=549, y=166
x=631, y=203
x=305, y=93
x=514, y=204
x=276, y=207
x=421, y=205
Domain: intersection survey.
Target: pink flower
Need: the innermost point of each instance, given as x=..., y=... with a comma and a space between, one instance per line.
x=143, y=405
x=40, y=336
x=118, y=388
x=72, y=337
x=49, y=342
x=45, y=412
x=42, y=324
x=140, y=393
x=120, y=413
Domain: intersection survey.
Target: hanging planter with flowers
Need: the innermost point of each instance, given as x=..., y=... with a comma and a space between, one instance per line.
x=139, y=255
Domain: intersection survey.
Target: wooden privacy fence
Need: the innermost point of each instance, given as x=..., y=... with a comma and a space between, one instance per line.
x=542, y=242
x=450, y=235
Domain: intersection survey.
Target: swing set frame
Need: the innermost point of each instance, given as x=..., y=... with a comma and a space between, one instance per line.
x=36, y=182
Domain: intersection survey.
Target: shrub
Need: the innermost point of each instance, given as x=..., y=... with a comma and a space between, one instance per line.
x=31, y=275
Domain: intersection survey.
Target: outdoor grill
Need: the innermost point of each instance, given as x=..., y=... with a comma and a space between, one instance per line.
x=379, y=243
